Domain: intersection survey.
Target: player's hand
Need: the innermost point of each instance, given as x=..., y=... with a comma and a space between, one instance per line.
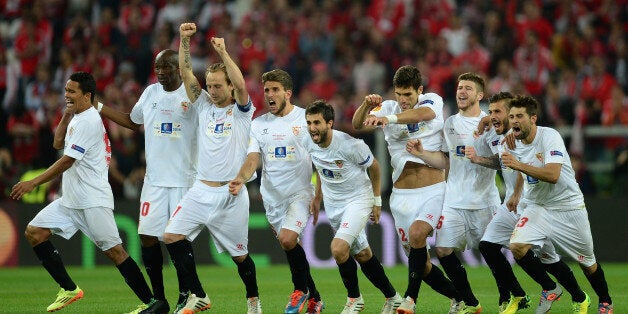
x=483, y=126
x=235, y=186
x=508, y=160
x=471, y=154
x=376, y=214
x=512, y=203
x=315, y=208
x=372, y=120
x=21, y=188
x=187, y=29
x=415, y=147
x=219, y=44
x=509, y=139
x=373, y=100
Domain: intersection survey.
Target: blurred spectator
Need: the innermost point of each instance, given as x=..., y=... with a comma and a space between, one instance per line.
x=456, y=35
x=583, y=175
x=531, y=20
x=369, y=74
x=23, y=128
x=597, y=85
x=534, y=63
x=29, y=45
x=138, y=12
x=36, y=90
x=505, y=79
x=496, y=37
x=322, y=85
x=173, y=14
x=474, y=59
x=9, y=80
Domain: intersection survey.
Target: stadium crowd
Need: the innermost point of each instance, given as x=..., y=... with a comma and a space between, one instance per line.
x=570, y=55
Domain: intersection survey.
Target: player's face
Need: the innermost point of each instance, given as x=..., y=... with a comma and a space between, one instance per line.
x=499, y=116
x=467, y=95
x=319, y=129
x=167, y=73
x=218, y=89
x=521, y=123
x=407, y=97
x=276, y=97
x=74, y=96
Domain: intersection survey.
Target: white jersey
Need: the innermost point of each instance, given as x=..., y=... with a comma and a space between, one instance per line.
x=469, y=186
x=546, y=148
x=223, y=135
x=342, y=168
x=86, y=183
x=490, y=144
x=287, y=165
x=170, y=130
x=397, y=135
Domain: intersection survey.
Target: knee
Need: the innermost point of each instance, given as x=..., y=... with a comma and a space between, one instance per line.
x=287, y=239
x=443, y=251
x=239, y=259
x=36, y=235
x=148, y=241
x=589, y=270
x=364, y=255
x=172, y=238
x=340, y=251
x=418, y=234
x=519, y=250
x=117, y=254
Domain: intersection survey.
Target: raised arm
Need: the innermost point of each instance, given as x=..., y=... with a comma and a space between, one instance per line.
x=59, y=139
x=370, y=101
x=192, y=87
x=235, y=75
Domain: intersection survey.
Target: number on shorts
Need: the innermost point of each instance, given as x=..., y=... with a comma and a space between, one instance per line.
x=402, y=235
x=440, y=222
x=144, y=209
x=522, y=221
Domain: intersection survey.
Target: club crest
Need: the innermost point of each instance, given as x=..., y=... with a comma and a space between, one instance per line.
x=338, y=163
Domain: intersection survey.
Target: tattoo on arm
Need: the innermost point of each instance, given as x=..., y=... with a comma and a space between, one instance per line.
x=196, y=89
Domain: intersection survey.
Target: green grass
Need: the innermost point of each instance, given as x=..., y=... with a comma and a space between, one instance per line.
x=31, y=290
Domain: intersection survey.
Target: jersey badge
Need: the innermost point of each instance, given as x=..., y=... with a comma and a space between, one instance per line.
x=556, y=153
x=230, y=111
x=71, y=131
x=378, y=108
x=539, y=156
x=185, y=105
x=338, y=163
x=296, y=130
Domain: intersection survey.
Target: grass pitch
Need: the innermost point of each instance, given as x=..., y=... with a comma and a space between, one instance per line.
x=31, y=290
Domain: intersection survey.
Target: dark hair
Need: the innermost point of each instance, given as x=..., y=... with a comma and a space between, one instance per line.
x=501, y=96
x=170, y=56
x=280, y=76
x=527, y=102
x=470, y=76
x=86, y=82
x=407, y=76
x=320, y=106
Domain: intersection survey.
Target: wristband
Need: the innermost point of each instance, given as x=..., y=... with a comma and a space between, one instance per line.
x=377, y=201
x=99, y=106
x=392, y=119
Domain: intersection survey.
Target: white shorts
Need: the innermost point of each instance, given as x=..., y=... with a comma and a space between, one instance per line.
x=569, y=231
x=97, y=223
x=499, y=231
x=156, y=206
x=410, y=205
x=349, y=221
x=461, y=228
x=225, y=216
x=292, y=214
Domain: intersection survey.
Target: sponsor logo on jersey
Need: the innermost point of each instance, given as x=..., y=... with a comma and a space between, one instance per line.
x=495, y=143
x=556, y=153
x=338, y=163
x=280, y=152
x=532, y=180
x=265, y=131
x=296, y=130
x=460, y=150
x=330, y=174
x=451, y=131
x=219, y=128
x=413, y=127
x=166, y=128
x=78, y=148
